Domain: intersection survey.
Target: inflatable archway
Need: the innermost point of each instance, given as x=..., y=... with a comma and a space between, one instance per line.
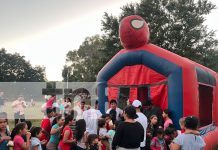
x=169, y=80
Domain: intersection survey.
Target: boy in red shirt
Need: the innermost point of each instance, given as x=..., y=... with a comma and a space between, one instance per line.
x=46, y=127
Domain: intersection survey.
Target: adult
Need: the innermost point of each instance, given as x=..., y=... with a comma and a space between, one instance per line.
x=113, y=106
x=150, y=110
x=51, y=101
x=96, y=108
x=81, y=135
x=189, y=140
x=151, y=130
x=166, y=116
x=19, y=105
x=142, y=119
x=130, y=133
x=91, y=117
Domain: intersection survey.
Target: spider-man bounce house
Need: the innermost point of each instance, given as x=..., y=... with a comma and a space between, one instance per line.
x=147, y=72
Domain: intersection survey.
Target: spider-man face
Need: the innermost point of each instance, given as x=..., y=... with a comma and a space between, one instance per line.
x=134, y=32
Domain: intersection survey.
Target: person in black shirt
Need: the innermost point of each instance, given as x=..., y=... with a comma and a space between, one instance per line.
x=129, y=134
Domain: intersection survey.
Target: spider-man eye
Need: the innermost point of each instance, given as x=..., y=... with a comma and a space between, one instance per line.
x=137, y=24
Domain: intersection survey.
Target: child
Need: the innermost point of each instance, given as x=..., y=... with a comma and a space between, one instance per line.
x=16, y=135
x=66, y=134
x=170, y=134
x=55, y=133
x=167, y=120
x=4, y=133
x=112, y=130
x=46, y=127
x=103, y=136
x=93, y=143
x=107, y=118
x=35, y=142
x=158, y=142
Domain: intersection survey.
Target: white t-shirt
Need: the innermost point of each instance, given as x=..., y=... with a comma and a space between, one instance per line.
x=190, y=142
x=119, y=112
x=142, y=119
x=91, y=118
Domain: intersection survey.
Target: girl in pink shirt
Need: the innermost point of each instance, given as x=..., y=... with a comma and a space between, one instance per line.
x=16, y=135
x=167, y=120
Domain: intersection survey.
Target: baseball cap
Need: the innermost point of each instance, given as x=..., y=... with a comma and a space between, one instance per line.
x=136, y=103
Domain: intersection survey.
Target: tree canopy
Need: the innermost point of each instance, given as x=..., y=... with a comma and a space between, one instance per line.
x=14, y=68
x=175, y=25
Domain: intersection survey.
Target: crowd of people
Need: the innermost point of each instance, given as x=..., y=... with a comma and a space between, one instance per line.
x=83, y=127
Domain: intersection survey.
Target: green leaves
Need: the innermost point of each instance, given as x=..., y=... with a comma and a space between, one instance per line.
x=15, y=68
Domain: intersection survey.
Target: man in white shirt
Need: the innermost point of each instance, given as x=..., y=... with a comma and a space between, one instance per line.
x=19, y=105
x=142, y=119
x=113, y=105
x=91, y=117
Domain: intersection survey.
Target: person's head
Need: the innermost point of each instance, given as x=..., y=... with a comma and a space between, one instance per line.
x=102, y=123
x=107, y=117
x=113, y=104
x=80, y=128
x=36, y=132
x=20, y=98
x=83, y=104
x=56, y=111
x=137, y=104
x=58, y=120
x=68, y=100
x=148, y=104
x=130, y=113
x=153, y=119
x=68, y=120
x=191, y=122
x=96, y=104
x=160, y=133
x=171, y=131
x=49, y=112
x=3, y=121
x=20, y=129
x=29, y=124
x=92, y=139
x=182, y=123
x=166, y=114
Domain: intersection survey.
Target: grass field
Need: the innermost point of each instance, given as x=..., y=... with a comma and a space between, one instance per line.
x=33, y=114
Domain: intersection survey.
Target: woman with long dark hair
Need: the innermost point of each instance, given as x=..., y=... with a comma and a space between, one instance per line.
x=81, y=135
x=66, y=134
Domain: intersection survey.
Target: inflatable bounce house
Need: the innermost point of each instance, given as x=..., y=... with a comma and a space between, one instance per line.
x=145, y=72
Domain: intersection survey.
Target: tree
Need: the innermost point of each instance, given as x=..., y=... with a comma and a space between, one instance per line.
x=85, y=62
x=175, y=25
x=15, y=68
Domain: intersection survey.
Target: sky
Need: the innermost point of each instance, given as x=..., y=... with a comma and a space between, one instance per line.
x=45, y=30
